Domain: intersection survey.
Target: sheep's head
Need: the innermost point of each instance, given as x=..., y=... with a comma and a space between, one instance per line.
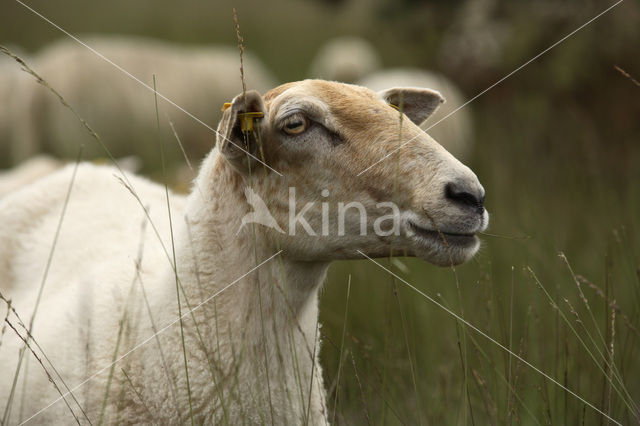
x=320, y=136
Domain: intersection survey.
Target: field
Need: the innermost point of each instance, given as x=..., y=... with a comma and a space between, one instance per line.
x=543, y=325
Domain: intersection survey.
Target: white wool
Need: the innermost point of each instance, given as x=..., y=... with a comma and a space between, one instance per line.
x=27, y=172
x=92, y=282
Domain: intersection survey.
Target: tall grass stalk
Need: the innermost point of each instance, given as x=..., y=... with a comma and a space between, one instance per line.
x=608, y=362
x=511, y=388
x=583, y=343
x=173, y=249
x=341, y=354
x=491, y=339
x=121, y=327
x=365, y=406
x=313, y=370
x=510, y=334
x=170, y=377
x=394, y=284
x=137, y=392
x=205, y=349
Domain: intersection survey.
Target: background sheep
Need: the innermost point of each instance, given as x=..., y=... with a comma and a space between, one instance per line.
x=454, y=132
x=27, y=172
x=41, y=165
x=199, y=79
x=345, y=59
x=355, y=60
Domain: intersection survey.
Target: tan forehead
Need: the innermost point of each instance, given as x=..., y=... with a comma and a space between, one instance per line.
x=332, y=93
x=346, y=102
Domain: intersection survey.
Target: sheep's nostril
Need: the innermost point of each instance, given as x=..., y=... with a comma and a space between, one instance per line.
x=465, y=197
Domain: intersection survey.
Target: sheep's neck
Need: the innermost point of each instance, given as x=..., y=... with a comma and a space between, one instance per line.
x=267, y=318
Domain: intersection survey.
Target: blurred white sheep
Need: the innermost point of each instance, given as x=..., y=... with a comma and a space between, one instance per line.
x=455, y=131
x=355, y=60
x=42, y=165
x=121, y=110
x=345, y=59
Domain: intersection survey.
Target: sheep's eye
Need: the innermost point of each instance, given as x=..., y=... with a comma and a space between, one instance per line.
x=295, y=124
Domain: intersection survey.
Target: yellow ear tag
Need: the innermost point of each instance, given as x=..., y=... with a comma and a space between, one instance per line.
x=225, y=106
x=246, y=120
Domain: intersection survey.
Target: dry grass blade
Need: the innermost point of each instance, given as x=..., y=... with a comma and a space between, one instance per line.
x=173, y=250
x=626, y=74
x=489, y=405
x=4, y=325
x=137, y=392
x=27, y=345
x=608, y=362
x=365, y=407
x=629, y=403
x=246, y=136
x=21, y=323
x=612, y=304
x=241, y=47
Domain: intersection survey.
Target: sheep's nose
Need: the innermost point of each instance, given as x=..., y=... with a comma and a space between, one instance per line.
x=466, y=195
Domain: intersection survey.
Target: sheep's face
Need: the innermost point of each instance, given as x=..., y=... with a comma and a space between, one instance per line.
x=335, y=196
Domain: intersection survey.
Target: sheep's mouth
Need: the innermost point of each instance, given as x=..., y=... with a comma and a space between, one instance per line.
x=460, y=240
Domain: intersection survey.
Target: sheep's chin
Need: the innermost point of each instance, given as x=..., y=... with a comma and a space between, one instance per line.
x=434, y=250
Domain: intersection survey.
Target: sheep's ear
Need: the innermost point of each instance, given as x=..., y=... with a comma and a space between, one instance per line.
x=418, y=104
x=240, y=130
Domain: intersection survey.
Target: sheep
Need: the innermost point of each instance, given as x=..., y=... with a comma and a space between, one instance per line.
x=27, y=172
x=345, y=59
x=354, y=60
x=42, y=165
x=119, y=108
x=247, y=293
